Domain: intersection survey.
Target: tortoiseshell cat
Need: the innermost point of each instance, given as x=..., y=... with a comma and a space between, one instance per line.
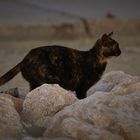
x=72, y=69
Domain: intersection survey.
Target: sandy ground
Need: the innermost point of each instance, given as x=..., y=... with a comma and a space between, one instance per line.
x=13, y=52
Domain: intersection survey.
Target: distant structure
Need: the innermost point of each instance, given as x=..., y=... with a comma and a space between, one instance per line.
x=63, y=27
x=63, y=30
x=110, y=15
x=86, y=27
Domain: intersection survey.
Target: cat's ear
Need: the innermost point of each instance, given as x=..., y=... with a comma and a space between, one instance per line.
x=104, y=37
x=110, y=34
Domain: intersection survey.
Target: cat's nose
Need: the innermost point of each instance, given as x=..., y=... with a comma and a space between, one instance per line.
x=117, y=51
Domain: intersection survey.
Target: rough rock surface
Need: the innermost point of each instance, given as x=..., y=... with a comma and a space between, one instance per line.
x=112, y=115
x=115, y=81
x=43, y=102
x=18, y=103
x=110, y=112
x=10, y=124
x=15, y=92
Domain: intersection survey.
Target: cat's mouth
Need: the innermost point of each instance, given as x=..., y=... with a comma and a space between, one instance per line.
x=117, y=53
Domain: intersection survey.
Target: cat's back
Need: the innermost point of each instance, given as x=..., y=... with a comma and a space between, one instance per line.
x=54, y=54
x=53, y=51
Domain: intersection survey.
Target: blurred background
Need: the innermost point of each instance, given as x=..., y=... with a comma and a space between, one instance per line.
x=26, y=24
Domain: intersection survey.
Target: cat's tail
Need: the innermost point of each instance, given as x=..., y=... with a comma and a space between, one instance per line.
x=10, y=74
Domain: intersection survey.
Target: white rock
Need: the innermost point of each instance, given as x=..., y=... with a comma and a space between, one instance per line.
x=111, y=112
x=113, y=80
x=113, y=115
x=10, y=124
x=43, y=102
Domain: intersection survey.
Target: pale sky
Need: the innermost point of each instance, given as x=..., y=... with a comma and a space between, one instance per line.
x=42, y=11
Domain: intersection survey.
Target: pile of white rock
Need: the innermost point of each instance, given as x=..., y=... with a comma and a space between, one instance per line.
x=110, y=112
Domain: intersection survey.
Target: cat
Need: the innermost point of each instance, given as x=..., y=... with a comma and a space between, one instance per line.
x=72, y=69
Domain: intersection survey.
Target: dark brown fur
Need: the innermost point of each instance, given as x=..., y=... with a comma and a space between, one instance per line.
x=72, y=69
